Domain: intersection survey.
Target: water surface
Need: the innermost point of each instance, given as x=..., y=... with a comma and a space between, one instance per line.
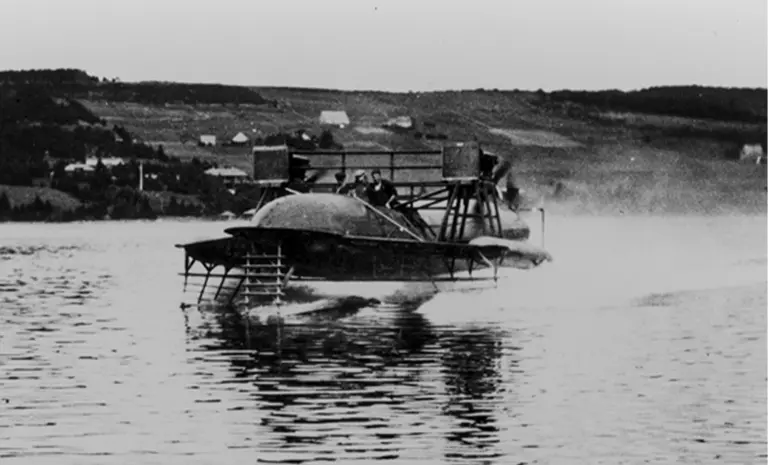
x=644, y=342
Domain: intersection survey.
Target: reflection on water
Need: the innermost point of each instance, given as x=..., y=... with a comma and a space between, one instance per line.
x=99, y=365
x=384, y=386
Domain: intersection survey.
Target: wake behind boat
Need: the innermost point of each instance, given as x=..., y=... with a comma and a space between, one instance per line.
x=457, y=229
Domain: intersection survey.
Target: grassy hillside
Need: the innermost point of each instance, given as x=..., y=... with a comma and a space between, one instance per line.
x=25, y=195
x=584, y=157
x=659, y=149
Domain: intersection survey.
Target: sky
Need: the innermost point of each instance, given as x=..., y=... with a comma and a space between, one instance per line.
x=396, y=45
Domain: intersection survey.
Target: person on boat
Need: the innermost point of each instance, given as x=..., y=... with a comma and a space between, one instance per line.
x=298, y=181
x=360, y=185
x=342, y=187
x=381, y=192
x=512, y=193
x=488, y=163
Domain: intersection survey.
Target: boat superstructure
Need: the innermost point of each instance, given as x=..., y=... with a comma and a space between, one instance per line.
x=451, y=223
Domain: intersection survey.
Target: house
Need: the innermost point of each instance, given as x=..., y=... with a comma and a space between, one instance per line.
x=230, y=176
x=752, y=153
x=78, y=168
x=334, y=118
x=227, y=215
x=249, y=214
x=240, y=139
x=108, y=162
x=208, y=140
x=401, y=122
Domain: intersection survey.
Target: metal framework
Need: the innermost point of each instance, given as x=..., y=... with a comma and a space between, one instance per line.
x=264, y=274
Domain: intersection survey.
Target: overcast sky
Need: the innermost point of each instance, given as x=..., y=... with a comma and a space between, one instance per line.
x=395, y=44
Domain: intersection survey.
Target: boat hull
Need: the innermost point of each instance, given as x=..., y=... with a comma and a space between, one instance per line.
x=398, y=291
x=392, y=288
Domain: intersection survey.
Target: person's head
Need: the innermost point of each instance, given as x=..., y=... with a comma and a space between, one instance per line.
x=340, y=177
x=376, y=175
x=360, y=176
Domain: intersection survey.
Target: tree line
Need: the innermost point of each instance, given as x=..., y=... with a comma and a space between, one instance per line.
x=723, y=104
x=76, y=83
x=42, y=132
x=124, y=204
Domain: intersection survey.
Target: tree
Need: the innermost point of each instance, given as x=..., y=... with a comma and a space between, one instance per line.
x=38, y=205
x=172, y=209
x=5, y=203
x=326, y=140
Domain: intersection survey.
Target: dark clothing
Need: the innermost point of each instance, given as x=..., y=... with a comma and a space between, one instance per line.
x=379, y=197
x=298, y=185
x=345, y=189
x=487, y=164
x=513, y=197
x=360, y=190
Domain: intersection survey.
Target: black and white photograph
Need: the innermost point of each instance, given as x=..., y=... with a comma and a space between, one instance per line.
x=514, y=232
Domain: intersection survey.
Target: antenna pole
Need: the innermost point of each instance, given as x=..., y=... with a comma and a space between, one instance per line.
x=141, y=175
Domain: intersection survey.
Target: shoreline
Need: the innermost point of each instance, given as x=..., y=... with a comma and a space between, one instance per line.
x=530, y=217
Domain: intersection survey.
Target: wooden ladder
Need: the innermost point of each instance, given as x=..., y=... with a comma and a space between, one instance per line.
x=265, y=276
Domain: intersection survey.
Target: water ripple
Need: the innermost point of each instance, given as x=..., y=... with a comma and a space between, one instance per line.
x=98, y=365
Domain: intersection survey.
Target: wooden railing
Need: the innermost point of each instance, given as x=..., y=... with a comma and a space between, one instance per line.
x=400, y=167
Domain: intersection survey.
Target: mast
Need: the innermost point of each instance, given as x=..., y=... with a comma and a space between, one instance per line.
x=141, y=175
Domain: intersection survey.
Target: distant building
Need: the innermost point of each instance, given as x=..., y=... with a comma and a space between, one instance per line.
x=752, y=153
x=248, y=214
x=108, y=162
x=334, y=118
x=240, y=139
x=230, y=176
x=401, y=122
x=208, y=140
x=78, y=168
x=227, y=215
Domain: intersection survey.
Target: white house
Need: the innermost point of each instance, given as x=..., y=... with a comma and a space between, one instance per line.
x=334, y=118
x=240, y=138
x=404, y=122
x=78, y=167
x=230, y=176
x=226, y=172
x=752, y=153
x=208, y=140
x=108, y=162
x=227, y=215
x=248, y=214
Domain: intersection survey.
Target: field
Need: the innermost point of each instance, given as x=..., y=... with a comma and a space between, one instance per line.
x=564, y=155
x=534, y=138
